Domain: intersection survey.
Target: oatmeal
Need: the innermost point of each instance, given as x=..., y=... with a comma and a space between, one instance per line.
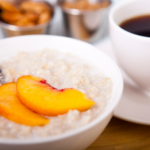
x=61, y=70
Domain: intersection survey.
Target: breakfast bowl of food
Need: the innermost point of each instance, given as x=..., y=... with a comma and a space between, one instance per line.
x=56, y=93
x=23, y=17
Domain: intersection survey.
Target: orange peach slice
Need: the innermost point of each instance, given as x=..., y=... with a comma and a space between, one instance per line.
x=12, y=109
x=42, y=98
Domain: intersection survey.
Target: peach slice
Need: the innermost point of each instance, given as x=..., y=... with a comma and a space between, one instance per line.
x=12, y=109
x=42, y=98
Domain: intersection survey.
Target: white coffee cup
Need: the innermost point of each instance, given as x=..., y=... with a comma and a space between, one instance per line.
x=132, y=51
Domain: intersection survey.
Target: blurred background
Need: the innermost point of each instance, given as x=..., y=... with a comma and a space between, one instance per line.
x=95, y=26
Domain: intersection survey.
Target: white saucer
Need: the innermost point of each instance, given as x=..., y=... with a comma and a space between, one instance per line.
x=135, y=104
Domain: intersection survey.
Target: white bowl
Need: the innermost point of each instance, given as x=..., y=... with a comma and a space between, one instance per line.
x=80, y=138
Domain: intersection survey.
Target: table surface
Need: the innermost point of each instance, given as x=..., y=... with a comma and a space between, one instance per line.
x=123, y=135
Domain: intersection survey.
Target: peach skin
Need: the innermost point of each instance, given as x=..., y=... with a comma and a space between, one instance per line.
x=42, y=98
x=12, y=109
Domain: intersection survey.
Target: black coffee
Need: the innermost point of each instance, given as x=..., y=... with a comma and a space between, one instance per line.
x=139, y=25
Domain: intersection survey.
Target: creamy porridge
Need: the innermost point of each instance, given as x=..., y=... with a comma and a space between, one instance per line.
x=61, y=71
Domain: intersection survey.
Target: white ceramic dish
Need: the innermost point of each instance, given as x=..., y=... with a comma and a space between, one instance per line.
x=131, y=50
x=81, y=138
x=135, y=104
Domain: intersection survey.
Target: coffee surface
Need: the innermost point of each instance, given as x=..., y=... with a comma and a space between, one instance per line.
x=139, y=25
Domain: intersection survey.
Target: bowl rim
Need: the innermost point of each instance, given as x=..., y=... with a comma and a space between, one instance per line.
x=74, y=11
x=74, y=132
